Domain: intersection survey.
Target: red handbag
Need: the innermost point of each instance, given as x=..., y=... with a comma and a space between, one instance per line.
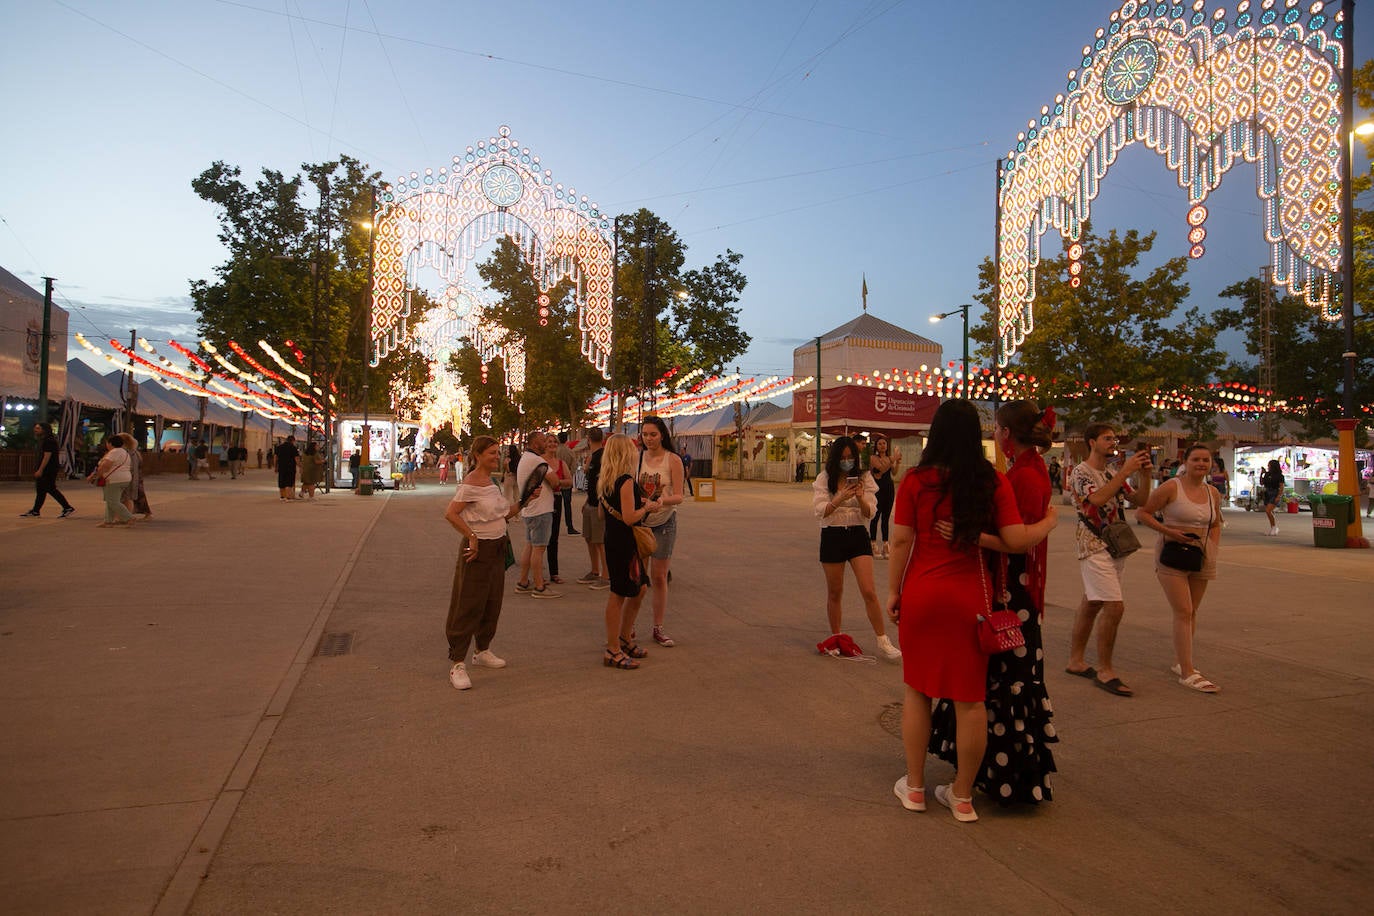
x=998, y=631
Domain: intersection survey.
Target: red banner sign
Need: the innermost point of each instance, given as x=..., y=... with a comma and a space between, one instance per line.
x=859, y=405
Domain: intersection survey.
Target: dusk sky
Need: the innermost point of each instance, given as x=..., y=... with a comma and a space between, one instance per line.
x=825, y=140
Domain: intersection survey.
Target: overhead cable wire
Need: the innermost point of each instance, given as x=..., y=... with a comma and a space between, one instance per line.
x=563, y=71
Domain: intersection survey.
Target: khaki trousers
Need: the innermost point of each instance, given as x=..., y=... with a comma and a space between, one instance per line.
x=474, y=605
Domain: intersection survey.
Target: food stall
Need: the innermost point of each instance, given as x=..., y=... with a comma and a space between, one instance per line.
x=1306, y=469
x=386, y=431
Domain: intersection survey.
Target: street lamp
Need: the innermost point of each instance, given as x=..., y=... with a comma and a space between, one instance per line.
x=1347, y=480
x=371, y=226
x=941, y=317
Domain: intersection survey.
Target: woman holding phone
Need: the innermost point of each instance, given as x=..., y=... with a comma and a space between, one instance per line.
x=844, y=501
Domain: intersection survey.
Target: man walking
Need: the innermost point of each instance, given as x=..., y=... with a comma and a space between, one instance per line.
x=593, y=522
x=535, y=485
x=1100, y=492
x=45, y=478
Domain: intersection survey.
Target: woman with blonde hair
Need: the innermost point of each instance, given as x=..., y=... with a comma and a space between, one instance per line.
x=625, y=506
x=478, y=511
x=1191, y=511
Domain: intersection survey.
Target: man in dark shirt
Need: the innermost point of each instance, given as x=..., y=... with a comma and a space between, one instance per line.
x=593, y=522
x=45, y=477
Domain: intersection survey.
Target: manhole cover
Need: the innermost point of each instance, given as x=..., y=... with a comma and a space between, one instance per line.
x=891, y=719
x=336, y=644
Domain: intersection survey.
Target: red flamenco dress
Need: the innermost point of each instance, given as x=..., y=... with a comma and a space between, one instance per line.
x=1018, y=760
x=943, y=592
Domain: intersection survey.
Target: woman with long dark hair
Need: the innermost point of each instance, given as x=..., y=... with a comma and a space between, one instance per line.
x=937, y=589
x=843, y=498
x=660, y=478
x=1271, y=485
x=883, y=465
x=1018, y=760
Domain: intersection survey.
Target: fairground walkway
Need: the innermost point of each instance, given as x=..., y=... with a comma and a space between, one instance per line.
x=173, y=743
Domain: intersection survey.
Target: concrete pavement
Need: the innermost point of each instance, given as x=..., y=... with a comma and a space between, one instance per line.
x=174, y=743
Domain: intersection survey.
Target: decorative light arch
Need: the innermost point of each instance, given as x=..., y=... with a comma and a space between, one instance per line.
x=496, y=188
x=1201, y=90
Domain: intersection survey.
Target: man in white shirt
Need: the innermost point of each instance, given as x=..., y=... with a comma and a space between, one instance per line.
x=536, y=496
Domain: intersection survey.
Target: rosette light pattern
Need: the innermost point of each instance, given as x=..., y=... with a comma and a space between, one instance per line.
x=1204, y=90
x=496, y=188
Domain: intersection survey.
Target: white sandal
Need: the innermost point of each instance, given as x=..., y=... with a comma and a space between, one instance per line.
x=1196, y=681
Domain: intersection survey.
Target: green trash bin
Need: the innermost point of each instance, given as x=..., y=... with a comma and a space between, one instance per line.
x=365, y=472
x=1332, y=516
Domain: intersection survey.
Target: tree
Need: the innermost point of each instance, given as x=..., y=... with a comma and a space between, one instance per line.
x=666, y=316
x=1096, y=347
x=1307, y=354
x=297, y=267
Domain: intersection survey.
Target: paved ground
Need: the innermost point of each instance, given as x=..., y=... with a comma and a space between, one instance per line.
x=173, y=744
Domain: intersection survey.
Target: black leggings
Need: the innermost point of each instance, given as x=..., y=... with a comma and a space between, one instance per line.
x=886, y=495
x=552, y=551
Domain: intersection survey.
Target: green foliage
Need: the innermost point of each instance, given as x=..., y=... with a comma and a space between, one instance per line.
x=1113, y=331
x=666, y=316
x=297, y=268
x=1308, y=365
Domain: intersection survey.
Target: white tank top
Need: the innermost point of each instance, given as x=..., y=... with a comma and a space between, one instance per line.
x=1182, y=512
x=656, y=480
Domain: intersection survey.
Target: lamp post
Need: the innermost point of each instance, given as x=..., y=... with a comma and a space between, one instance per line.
x=371, y=225
x=1347, y=480
x=941, y=317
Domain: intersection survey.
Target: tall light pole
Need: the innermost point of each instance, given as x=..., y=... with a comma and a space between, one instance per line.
x=1347, y=480
x=954, y=311
x=366, y=457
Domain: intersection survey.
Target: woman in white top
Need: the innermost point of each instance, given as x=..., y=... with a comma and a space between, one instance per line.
x=844, y=499
x=478, y=512
x=660, y=477
x=116, y=470
x=1191, y=512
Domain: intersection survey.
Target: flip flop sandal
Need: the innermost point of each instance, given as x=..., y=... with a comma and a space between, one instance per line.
x=1089, y=672
x=1115, y=687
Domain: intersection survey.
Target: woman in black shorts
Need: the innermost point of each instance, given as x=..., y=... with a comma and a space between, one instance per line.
x=844, y=500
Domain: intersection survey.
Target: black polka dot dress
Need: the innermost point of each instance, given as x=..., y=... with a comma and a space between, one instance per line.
x=1018, y=760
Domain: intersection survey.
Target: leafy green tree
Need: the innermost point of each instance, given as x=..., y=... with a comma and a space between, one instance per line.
x=297, y=267
x=1308, y=368
x=1095, y=348
x=667, y=316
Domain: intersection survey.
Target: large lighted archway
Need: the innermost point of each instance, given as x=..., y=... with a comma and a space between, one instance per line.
x=1203, y=90
x=440, y=220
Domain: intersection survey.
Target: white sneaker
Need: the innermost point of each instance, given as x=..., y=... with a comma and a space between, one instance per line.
x=458, y=677
x=889, y=651
x=1274, y=532
x=599, y=585
x=487, y=659
x=912, y=799
x=961, y=808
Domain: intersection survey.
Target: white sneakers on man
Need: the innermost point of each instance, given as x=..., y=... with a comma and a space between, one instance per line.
x=458, y=677
x=889, y=651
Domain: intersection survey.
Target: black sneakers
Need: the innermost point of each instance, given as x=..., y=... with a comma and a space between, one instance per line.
x=29, y=514
x=67, y=512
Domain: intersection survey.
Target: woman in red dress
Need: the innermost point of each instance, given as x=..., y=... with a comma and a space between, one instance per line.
x=937, y=588
x=1017, y=761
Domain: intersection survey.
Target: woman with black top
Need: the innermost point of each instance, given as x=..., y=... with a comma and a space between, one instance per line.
x=625, y=506
x=883, y=466
x=1271, y=484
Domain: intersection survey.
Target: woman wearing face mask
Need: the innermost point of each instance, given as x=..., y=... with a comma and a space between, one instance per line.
x=844, y=501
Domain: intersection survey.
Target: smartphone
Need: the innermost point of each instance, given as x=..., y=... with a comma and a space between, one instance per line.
x=851, y=481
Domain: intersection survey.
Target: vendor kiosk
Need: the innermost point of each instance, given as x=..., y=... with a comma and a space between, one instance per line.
x=386, y=431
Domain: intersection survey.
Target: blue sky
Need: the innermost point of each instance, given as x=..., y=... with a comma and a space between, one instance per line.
x=823, y=140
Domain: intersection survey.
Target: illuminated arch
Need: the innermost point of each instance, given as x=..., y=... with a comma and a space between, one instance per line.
x=497, y=188
x=1203, y=90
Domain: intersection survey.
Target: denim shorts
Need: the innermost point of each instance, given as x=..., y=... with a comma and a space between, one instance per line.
x=539, y=529
x=666, y=534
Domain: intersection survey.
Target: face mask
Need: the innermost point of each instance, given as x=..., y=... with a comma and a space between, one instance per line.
x=846, y=464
